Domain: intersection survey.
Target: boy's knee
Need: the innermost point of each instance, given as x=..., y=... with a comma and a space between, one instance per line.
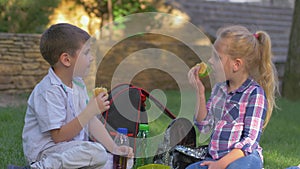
x=99, y=154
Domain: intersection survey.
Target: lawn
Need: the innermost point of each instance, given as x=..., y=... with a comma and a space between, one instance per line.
x=11, y=124
x=280, y=140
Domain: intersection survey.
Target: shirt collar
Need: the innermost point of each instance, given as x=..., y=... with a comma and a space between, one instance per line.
x=249, y=82
x=79, y=82
x=54, y=79
x=241, y=89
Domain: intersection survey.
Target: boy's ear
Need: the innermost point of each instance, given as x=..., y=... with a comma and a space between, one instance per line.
x=237, y=64
x=65, y=59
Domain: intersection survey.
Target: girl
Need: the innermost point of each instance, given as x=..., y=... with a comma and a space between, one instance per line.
x=247, y=96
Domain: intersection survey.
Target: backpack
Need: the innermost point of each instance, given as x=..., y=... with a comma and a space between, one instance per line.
x=127, y=109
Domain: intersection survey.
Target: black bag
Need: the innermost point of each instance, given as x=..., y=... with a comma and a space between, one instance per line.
x=184, y=156
x=179, y=146
x=127, y=109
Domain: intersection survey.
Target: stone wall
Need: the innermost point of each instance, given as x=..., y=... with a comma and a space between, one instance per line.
x=21, y=65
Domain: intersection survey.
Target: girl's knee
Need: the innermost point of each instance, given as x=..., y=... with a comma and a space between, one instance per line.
x=252, y=161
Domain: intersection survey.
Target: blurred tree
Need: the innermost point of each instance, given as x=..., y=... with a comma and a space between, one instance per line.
x=25, y=16
x=291, y=81
x=109, y=10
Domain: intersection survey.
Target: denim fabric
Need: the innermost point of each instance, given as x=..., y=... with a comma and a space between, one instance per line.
x=293, y=167
x=252, y=161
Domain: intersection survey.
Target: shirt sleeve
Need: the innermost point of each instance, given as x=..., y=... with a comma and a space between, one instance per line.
x=51, y=109
x=253, y=122
x=207, y=124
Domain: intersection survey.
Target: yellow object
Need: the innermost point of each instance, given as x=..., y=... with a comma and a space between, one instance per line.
x=154, y=166
x=98, y=90
x=204, y=70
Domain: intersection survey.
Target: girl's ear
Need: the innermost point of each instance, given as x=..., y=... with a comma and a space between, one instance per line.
x=65, y=59
x=237, y=64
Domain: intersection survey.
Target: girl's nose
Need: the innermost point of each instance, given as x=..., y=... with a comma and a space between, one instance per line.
x=210, y=61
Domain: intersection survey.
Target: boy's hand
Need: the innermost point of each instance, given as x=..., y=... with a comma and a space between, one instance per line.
x=124, y=150
x=102, y=102
x=96, y=105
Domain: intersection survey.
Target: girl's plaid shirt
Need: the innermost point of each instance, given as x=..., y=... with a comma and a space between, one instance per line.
x=235, y=118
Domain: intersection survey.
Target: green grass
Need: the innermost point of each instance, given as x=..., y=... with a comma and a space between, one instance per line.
x=11, y=124
x=280, y=140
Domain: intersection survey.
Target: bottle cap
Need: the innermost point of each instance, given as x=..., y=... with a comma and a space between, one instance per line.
x=122, y=131
x=144, y=127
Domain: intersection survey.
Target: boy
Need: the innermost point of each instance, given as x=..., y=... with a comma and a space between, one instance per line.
x=59, y=114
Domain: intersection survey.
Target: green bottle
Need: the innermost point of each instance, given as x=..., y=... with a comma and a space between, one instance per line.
x=141, y=146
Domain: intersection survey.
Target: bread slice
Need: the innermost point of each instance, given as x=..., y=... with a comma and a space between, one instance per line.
x=99, y=90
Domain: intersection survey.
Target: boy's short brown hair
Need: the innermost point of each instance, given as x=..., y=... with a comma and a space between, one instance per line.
x=60, y=38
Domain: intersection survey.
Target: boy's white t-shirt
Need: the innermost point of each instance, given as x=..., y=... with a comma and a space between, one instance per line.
x=50, y=106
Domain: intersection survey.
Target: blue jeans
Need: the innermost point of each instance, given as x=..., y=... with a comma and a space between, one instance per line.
x=252, y=161
x=293, y=167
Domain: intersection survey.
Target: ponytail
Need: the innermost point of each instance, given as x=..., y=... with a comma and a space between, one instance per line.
x=255, y=49
x=267, y=76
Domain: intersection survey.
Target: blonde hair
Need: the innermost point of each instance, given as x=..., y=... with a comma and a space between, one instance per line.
x=255, y=49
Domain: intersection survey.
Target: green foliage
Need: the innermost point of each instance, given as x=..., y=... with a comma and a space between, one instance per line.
x=32, y=16
x=128, y=7
x=100, y=9
x=25, y=16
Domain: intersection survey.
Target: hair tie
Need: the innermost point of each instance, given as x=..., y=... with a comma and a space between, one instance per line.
x=256, y=35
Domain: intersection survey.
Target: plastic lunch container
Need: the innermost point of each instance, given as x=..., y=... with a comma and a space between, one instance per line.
x=155, y=166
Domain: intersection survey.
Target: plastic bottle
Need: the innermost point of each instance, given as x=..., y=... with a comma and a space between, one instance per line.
x=120, y=158
x=141, y=149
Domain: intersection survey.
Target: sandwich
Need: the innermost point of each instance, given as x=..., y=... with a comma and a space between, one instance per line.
x=204, y=70
x=99, y=90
